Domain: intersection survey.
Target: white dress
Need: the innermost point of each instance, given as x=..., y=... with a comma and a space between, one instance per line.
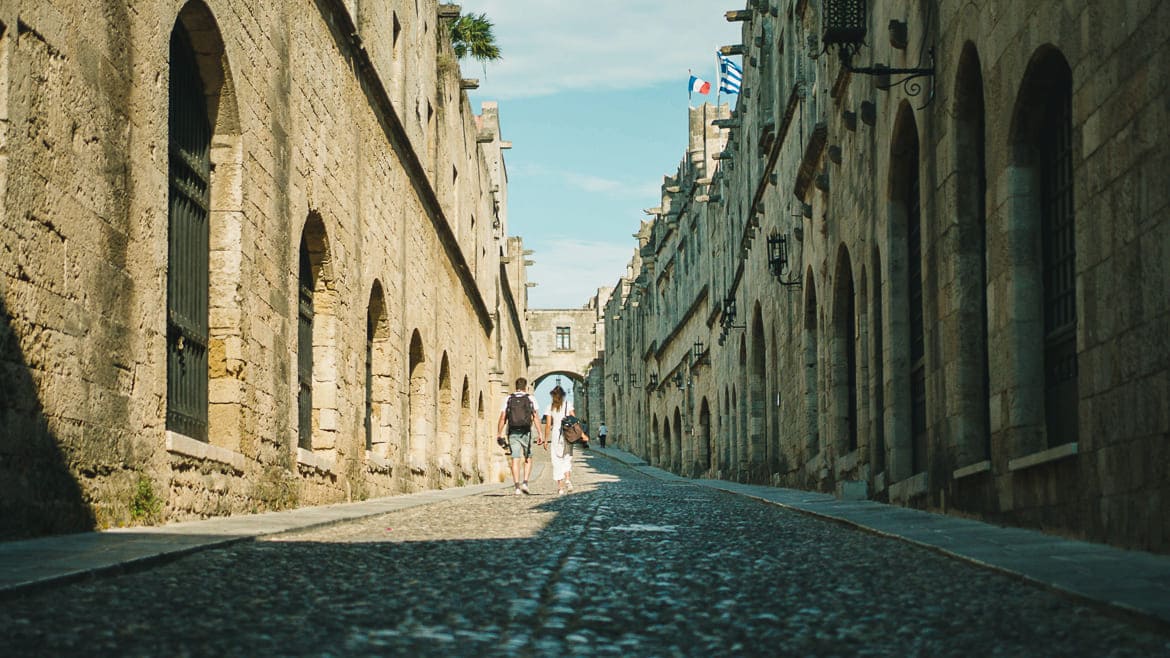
x=562, y=450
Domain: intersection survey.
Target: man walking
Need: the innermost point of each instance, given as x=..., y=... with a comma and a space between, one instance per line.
x=519, y=416
x=602, y=432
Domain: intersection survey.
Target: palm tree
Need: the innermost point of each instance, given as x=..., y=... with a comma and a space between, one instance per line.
x=472, y=35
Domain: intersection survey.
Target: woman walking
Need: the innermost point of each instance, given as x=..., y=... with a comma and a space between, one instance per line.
x=562, y=450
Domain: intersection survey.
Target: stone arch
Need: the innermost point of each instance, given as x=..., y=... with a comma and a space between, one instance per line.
x=704, y=458
x=973, y=434
x=843, y=355
x=907, y=350
x=446, y=417
x=678, y=457
x=379, y=382
x=652, y=449
x=726, y=432
x=757, y=394
x=735, y=461
x=418, y=402
x=1040, y=280
x=205, y=364
x=877, y=370
x=663, y=456
x=317, y=349
x=479, y=407
x=812, y=442
x=467, y=458
x=743, y=428
x=612, y=412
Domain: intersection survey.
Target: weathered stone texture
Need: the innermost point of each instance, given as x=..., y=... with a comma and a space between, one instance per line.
x=374, y=157
x=826, y=161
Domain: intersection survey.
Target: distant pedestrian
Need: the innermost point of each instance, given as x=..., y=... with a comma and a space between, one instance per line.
x=602, y=432
x=519, y=417
x=562, y=450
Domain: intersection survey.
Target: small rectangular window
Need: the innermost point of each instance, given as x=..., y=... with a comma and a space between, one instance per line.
x=563, y=342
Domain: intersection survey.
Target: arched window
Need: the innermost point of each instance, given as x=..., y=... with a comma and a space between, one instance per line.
x=906, y=235
x=973, y=442
x=704, y=456
x=206, y=363
x=316, y=369
x=758, y=392
x=378, y=374
x=418, y=405
x=189, y=172
x=878, y=377
x=811, y=369
x=845, y=351
x=305, y=317
x=1044, y=220
x=443, y=454
x=1060, y=253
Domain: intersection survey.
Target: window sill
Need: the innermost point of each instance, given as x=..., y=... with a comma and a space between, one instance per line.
x=376, y=463
x=311, y=460
x=178, y=444
x=973, y=469
x=915, y=485
x=846, y=463
x=1043, y=457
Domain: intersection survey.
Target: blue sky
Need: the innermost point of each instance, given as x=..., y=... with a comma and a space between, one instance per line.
x=593, y=96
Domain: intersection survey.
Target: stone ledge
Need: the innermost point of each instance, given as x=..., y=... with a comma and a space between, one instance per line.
x=376, y=463
x=973, y=469
x=915, y=485
x=1043, y=457
x=308, y=458
x=179, y=444
x=846, y=463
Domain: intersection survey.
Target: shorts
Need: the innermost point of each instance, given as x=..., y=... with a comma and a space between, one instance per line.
x=521, y=445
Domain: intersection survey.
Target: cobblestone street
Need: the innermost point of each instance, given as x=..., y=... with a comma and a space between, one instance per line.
x=624, y=565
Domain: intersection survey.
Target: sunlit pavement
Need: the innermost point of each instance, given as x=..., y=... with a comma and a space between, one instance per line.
x=627, y=564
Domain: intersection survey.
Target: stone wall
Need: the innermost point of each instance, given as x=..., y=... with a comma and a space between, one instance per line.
x=916, y=344
x=337, y=129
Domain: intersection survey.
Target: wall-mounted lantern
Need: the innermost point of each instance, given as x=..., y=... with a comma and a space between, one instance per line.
x=634, y=380
x=778, y=258
x=653, y=380
x=845, y=24
x=697, y=350
x=616, y=377
x=679, y=383
x=728, y=319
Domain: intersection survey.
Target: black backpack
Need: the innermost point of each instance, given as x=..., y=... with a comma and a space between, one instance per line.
x=519, y=412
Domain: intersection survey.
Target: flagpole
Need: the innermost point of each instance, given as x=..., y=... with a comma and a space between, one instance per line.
x=718, y=82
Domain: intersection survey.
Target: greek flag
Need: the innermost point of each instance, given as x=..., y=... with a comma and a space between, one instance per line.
x=730, y=76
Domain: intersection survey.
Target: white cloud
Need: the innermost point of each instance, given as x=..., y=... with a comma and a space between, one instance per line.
x=570, y=271
x=614, y=189
x=556, y=45
x=606, y=187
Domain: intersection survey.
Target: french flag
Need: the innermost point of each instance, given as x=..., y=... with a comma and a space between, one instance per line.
x=699, y=85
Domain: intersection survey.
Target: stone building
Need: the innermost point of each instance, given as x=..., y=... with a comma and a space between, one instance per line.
x=944, y=284
x=251, y=257
x=565, y=342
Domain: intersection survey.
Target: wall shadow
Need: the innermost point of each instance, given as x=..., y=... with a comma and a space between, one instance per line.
x=39, y=494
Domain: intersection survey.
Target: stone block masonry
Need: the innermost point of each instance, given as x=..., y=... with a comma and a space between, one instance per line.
x=956, y=300
x=345, y=293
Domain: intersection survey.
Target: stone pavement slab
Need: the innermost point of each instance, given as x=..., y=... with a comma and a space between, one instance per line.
x=1133, y=582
